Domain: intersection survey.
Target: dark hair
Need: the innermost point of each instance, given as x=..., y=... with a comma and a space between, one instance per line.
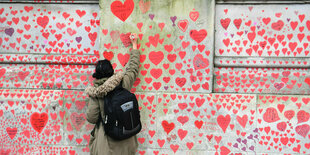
x=104, y=69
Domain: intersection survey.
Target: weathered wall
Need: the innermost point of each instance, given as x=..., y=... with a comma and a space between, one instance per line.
x=46, y=55
x=214, y=79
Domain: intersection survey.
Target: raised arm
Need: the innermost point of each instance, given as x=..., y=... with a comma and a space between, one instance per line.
x=132, y=69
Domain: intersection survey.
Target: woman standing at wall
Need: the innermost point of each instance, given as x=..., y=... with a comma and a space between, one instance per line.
x=105, y=81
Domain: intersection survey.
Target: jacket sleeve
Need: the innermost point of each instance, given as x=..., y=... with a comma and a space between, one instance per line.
x=132, y=70
x=93, y=110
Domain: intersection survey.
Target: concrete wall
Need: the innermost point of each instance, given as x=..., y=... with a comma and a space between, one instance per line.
x=214, y=78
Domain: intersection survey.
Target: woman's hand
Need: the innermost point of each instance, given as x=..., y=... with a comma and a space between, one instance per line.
x=134, y=40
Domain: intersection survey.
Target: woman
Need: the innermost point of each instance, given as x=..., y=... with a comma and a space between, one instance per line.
x=105, y=81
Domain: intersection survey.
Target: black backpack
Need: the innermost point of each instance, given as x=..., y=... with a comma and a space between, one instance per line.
x=122, y=115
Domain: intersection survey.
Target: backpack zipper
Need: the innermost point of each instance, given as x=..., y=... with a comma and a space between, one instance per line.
x=106, y=119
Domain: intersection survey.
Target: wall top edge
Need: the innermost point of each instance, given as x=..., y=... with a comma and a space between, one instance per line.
x=262, y=2
x=52, y=1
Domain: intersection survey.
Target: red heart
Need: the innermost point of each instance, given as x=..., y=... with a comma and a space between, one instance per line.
x=237, y=23
x=307, y=80
x=224, y=150
x=38, y=121
x=174, y=147
x=198, y=36
x=114, y=35
x=108, y=55
x=271, y=115
x=123, y=58
x=43, y=21
x=198, y=124
x=156, y=57
x=168, y=127
x=289, y=114
x=80, y=104
x=27, y=8
x=302, y=116
x=144, y=6
x=122, y=11
x=302, y=130
x=266, y=20
x=200, y=62
x=78, y=120
x=277, y=25
x=92, y=36
x=225, y=23
x=2, y=72
x=80, y=13
x=183, y=24
x=193, y=15
x=223, y=121
x=281, y=126
x=11, y=132
x=284, y=140
x=251, y=36
x=182, y=133
x=242, y=120
x=156, y=73
x=125, y=39
x=180, y=81
x=183, y=119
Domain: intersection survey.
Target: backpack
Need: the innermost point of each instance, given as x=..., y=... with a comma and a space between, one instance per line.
x=122, y=115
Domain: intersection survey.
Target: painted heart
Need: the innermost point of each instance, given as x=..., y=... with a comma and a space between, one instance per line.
x=277, y=25
x=182, y=133
x=168, y=127
x=92, y=36
x=198, y=36
x=225, y=23
x=9, y=31
x=2, y=72
x=307, y=80
x=38, y=121
x=183, y=24
x=43, y=21
x=81, y=13
x=153, y=40
x=242, y=120
x=108, y=55
x=156, y=73
x=78, y=120
x=224, y=150
x=237, y=23
x=278, y=86
x=123, y=58
x=200, y=62
x=193, y=15
x=302, y=116
x=183, y=119
x=271, y=115
x=23, y=75
x=281, y=126
x=122, y=11
x=223, y=121
x=156, y=57
x=198, y=124
x=289, y=114
x=11, y=132
x=302, y=130
x=125, y=39
x=114, y=35
x=144, y=6
x=80, y=104
x=180, y=81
